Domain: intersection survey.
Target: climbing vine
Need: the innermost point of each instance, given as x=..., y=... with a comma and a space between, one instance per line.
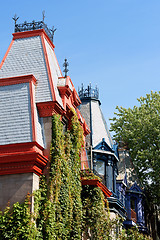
x=62, y=209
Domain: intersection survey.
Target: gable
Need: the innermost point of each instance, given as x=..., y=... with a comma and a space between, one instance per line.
x=135, y=188
x=103, y=146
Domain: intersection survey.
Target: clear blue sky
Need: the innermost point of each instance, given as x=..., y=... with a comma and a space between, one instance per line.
x=112, y=43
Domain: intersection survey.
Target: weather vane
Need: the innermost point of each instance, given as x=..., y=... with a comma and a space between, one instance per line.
x=65, y=65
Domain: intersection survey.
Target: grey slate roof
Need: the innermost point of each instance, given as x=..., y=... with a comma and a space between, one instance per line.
x=15, y=114
x=26, y=56
x=99, y=126
x=91, y=111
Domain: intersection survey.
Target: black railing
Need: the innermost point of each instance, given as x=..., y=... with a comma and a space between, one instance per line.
x=121, y=197
x=88, y=92
x=34, y=26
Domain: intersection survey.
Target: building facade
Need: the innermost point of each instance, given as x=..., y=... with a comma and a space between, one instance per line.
x=32, y=89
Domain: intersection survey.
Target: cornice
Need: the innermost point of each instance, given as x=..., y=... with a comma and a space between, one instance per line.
x=97, y=183
x=22, y=158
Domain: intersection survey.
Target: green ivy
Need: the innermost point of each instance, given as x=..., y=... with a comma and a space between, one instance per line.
x=62, y=209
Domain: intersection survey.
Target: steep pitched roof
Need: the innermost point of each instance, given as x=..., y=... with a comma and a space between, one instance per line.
x=32, y=52
x=99, y=126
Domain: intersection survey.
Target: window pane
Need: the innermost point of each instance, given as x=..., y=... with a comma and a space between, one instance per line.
x=100, y=167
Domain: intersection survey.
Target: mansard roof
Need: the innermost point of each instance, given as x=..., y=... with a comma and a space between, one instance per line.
x=32, y=52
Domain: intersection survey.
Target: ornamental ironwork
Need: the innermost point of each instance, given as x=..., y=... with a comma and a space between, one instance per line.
x=65, y=65
x=22, y=27
x=88, y=92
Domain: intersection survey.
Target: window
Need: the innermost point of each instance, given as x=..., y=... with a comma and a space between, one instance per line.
x=100, y=167
x=133, y=204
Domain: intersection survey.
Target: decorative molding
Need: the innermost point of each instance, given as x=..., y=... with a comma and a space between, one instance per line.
x=97, y=183
x=17, y=80
x=47, y=109
x=48, y=68
x=33, y=33
x=22, y=158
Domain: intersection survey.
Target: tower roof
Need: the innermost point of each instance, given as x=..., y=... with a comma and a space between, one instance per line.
x=91, y=111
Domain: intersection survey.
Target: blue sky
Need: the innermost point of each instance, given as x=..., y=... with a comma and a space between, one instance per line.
x=112, y=43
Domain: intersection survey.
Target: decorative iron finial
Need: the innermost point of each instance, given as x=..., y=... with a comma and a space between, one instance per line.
x=43, y=15
x=15, y=18
x=65, y=65
x=53, y=31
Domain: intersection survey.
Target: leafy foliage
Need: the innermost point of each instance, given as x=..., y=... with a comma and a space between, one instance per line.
x=17, y=224
x=62, y=209
x=139, y=129
x=96, y=222
x=132, y=234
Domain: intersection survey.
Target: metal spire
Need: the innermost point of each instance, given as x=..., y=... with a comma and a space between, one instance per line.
x=65, y=65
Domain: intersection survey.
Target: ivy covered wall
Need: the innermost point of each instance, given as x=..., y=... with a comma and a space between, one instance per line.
x=62, y=209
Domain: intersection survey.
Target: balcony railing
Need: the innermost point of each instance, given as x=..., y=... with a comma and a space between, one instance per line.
x=121, y=197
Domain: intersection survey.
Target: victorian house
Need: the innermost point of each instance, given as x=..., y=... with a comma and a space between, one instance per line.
x=112, y=164
x=32, y=89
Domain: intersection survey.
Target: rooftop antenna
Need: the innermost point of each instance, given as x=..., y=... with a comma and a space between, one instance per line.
x=65, y=65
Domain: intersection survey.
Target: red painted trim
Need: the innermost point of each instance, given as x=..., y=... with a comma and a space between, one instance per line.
x=64, y=90
x=21, y=147
x=6, y=54
x=27, y=34
x=17, y=80
x=33, y=112
x=22, y=158
x=48, y=69
x=47, y=109
x=49, y=40
x=97, y=183
x=34, y=33
x=58, y=64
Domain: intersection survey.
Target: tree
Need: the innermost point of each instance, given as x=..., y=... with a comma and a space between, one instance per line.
x=139, y=129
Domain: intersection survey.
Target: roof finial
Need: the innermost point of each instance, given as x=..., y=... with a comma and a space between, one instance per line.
x=15, y=18
x=43, y=15
x=65, y=65
x=53, y=31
